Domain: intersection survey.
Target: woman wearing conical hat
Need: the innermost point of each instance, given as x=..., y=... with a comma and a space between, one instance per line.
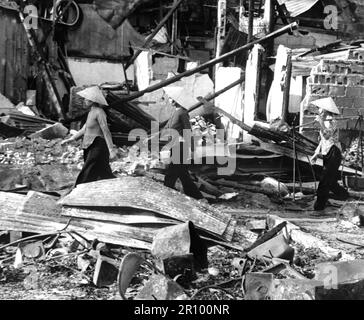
x=97, y=141
x=176, y=129
x=330, y=149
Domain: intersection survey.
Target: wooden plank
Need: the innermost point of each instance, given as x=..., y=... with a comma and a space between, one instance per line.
x=138, y=218
x=146, y=194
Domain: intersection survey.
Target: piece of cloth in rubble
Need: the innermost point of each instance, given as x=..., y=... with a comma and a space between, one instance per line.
x=96, y=163
x=96, y=125
x=329, y=179
x=115, y=12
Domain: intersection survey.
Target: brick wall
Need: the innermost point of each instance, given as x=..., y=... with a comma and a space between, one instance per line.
x=342, y=80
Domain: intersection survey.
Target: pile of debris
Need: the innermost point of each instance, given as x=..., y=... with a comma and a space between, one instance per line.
x=23, y=152
x=168, y=247
x=353, y=155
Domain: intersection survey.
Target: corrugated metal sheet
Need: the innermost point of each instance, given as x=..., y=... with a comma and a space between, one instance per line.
x=297, y=7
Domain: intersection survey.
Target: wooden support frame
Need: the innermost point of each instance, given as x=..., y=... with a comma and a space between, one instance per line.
x=156, y=30
x=287, y=88
x=277, y=33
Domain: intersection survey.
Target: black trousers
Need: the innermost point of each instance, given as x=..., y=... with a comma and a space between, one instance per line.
x=329, y=178
x=96, y=166
x=180, y=171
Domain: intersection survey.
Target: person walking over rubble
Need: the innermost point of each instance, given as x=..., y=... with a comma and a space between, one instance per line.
x=177, y=126
x=330, y=148
x=97, y=141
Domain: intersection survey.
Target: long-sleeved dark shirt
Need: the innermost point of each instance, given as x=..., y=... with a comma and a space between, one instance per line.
x=179, y=121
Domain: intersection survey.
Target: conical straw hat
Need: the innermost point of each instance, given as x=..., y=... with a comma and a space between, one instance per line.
x=94, y=94
x=327, y=104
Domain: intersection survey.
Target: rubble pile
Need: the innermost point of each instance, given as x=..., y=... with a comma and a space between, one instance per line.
x=26, y=152
x=133, y=161
x=204, y=131
x=275, y=264
x=353, y=156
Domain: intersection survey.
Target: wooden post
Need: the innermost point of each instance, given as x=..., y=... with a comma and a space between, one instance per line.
x=51, y=87
x=156, y=30
x=221, y=28
x=216, y=94
x=251, y=21
x=174, y=32
x=287, y=87
x=290, y=27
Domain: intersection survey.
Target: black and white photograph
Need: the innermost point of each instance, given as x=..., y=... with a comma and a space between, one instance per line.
x=181, y=157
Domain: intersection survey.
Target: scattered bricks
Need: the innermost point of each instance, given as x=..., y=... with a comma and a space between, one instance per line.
x=106, y=272
x=277, y=247
x=337, y=90
x=353, y=92
x=258, y=286
x=294, y=289
x=319, y=89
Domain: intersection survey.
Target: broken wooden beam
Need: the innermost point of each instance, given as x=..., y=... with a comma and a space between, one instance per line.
x=216, y=94
x=160, y=85
x=153, y=34
x=307, y=240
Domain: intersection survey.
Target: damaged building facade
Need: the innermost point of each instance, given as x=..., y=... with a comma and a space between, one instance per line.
x=248, y=74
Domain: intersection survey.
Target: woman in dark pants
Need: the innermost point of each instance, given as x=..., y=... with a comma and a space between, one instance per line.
x=330, y=149
x=97, y=141
x=179, y=130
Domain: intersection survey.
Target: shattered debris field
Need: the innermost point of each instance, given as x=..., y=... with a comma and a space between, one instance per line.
x=133, y=238
x=182, y=150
